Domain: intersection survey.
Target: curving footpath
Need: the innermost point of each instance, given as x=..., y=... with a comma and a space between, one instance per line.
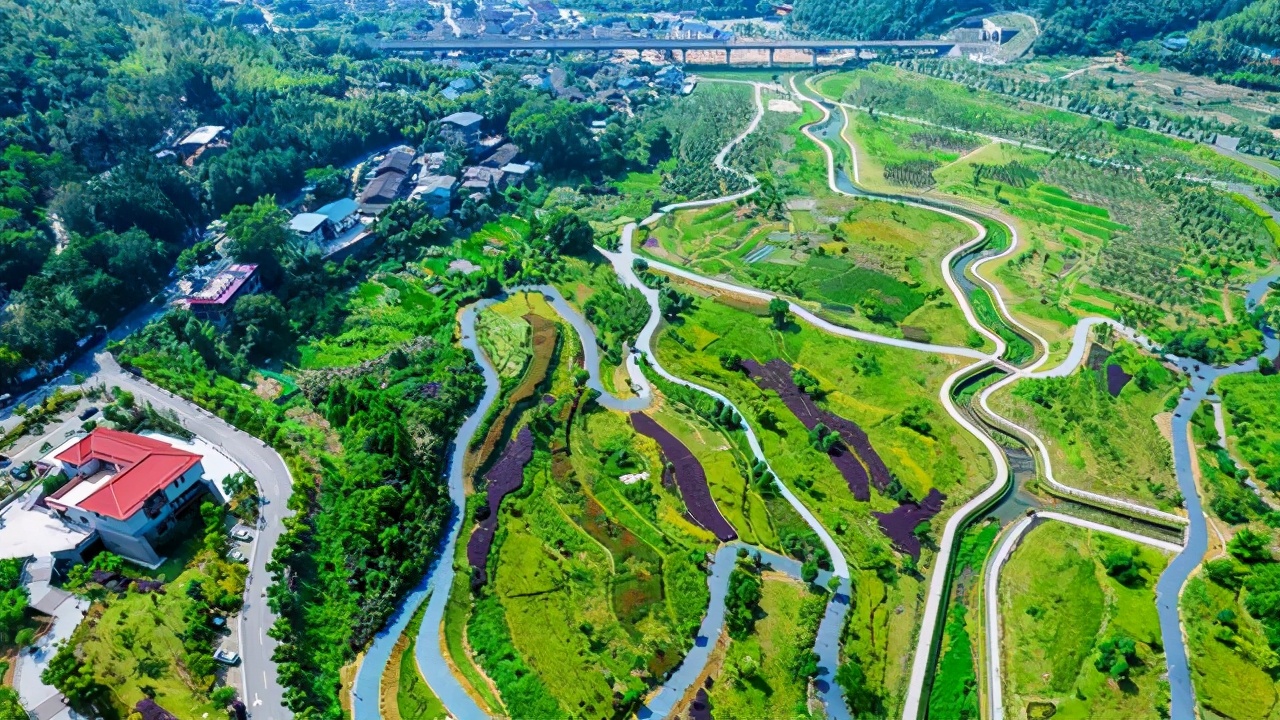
x=1169, y=587
x=828, y=637
x=427, y=650
x=922, y=661
x=1012, y=538
x=365, y=694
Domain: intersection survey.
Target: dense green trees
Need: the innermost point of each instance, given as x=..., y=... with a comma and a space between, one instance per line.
x=556, y=133
x=742, y=600
x=1228, y=48
x=74, y=678
x=87, y=88
x=13, y=600
x=1080, y=27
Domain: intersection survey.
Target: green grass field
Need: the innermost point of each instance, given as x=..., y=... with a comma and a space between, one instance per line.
x=1229, y=660
x=868, y=264
x=954, y=692
x=414, y=698
x=873, y=386
x=1057, y=603
x=758, y=678
x=134, y=640
x=1252, y=405
x=898, y=91
x=1096, y=442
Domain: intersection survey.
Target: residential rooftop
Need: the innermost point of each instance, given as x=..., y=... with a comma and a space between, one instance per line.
x=142, y=465
x=223, y=286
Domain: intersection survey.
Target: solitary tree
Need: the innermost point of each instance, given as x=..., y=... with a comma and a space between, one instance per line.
x=780, y=311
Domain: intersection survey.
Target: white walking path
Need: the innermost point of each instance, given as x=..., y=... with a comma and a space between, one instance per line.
x=623, y=263
x=1010, y=541
x=934, y=599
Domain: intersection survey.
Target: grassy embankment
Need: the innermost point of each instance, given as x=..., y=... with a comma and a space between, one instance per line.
x=758, y=678
x=1097, y=442
x=1059, y=605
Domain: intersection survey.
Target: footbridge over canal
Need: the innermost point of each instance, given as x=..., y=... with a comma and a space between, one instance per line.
x=671, y=46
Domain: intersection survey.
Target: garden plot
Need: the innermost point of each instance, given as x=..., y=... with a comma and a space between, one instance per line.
x=504, y=478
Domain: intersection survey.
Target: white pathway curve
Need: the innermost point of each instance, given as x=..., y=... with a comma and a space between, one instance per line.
x=1012, y=537
x=921, y=664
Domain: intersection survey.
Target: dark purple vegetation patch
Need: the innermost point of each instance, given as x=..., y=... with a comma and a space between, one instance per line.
x=1117, y=378
x=505, y=477
x=690, y=477
x=700, y=709
x=776, y=375
x=900, y=524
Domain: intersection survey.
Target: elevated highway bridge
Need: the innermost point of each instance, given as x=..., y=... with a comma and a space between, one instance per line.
x=665, y=45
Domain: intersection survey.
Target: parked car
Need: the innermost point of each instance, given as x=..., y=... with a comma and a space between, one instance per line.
x=226, y=657
x=5, y=461
x=88, y=413
x=21, y=472
x=238, y=556
x=242, y=535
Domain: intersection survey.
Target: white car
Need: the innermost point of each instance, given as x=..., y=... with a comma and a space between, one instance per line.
x=242, y=535
x=238, y=556
x=226, y=657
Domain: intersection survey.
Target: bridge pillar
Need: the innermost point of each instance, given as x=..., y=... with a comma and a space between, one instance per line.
x=813, y=61
x=728, y=56
x=770, y=57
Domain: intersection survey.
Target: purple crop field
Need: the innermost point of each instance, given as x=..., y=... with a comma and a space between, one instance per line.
x=776, y=375
x=690, y=477
x=1117, y=378
x=505, y=477
x=900, y=524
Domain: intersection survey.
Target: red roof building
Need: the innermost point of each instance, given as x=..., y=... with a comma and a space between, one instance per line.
x=127, y=487
x=143, y=467
x=221, y=292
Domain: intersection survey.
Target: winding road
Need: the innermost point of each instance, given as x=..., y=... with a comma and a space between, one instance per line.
x=263, y=694
x=664, y=699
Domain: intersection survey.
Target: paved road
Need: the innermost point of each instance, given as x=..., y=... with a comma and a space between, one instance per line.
x=262, y=691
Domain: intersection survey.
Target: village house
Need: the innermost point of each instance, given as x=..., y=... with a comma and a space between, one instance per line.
x=462, y=128
x=455, y=88
x=482, y=179
x=201, y=142
x=436, y=192
x=515, y=173
x=505, y=153
x=310, y=227
x=342, y=215
x=381, y=192
x=218, y=296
